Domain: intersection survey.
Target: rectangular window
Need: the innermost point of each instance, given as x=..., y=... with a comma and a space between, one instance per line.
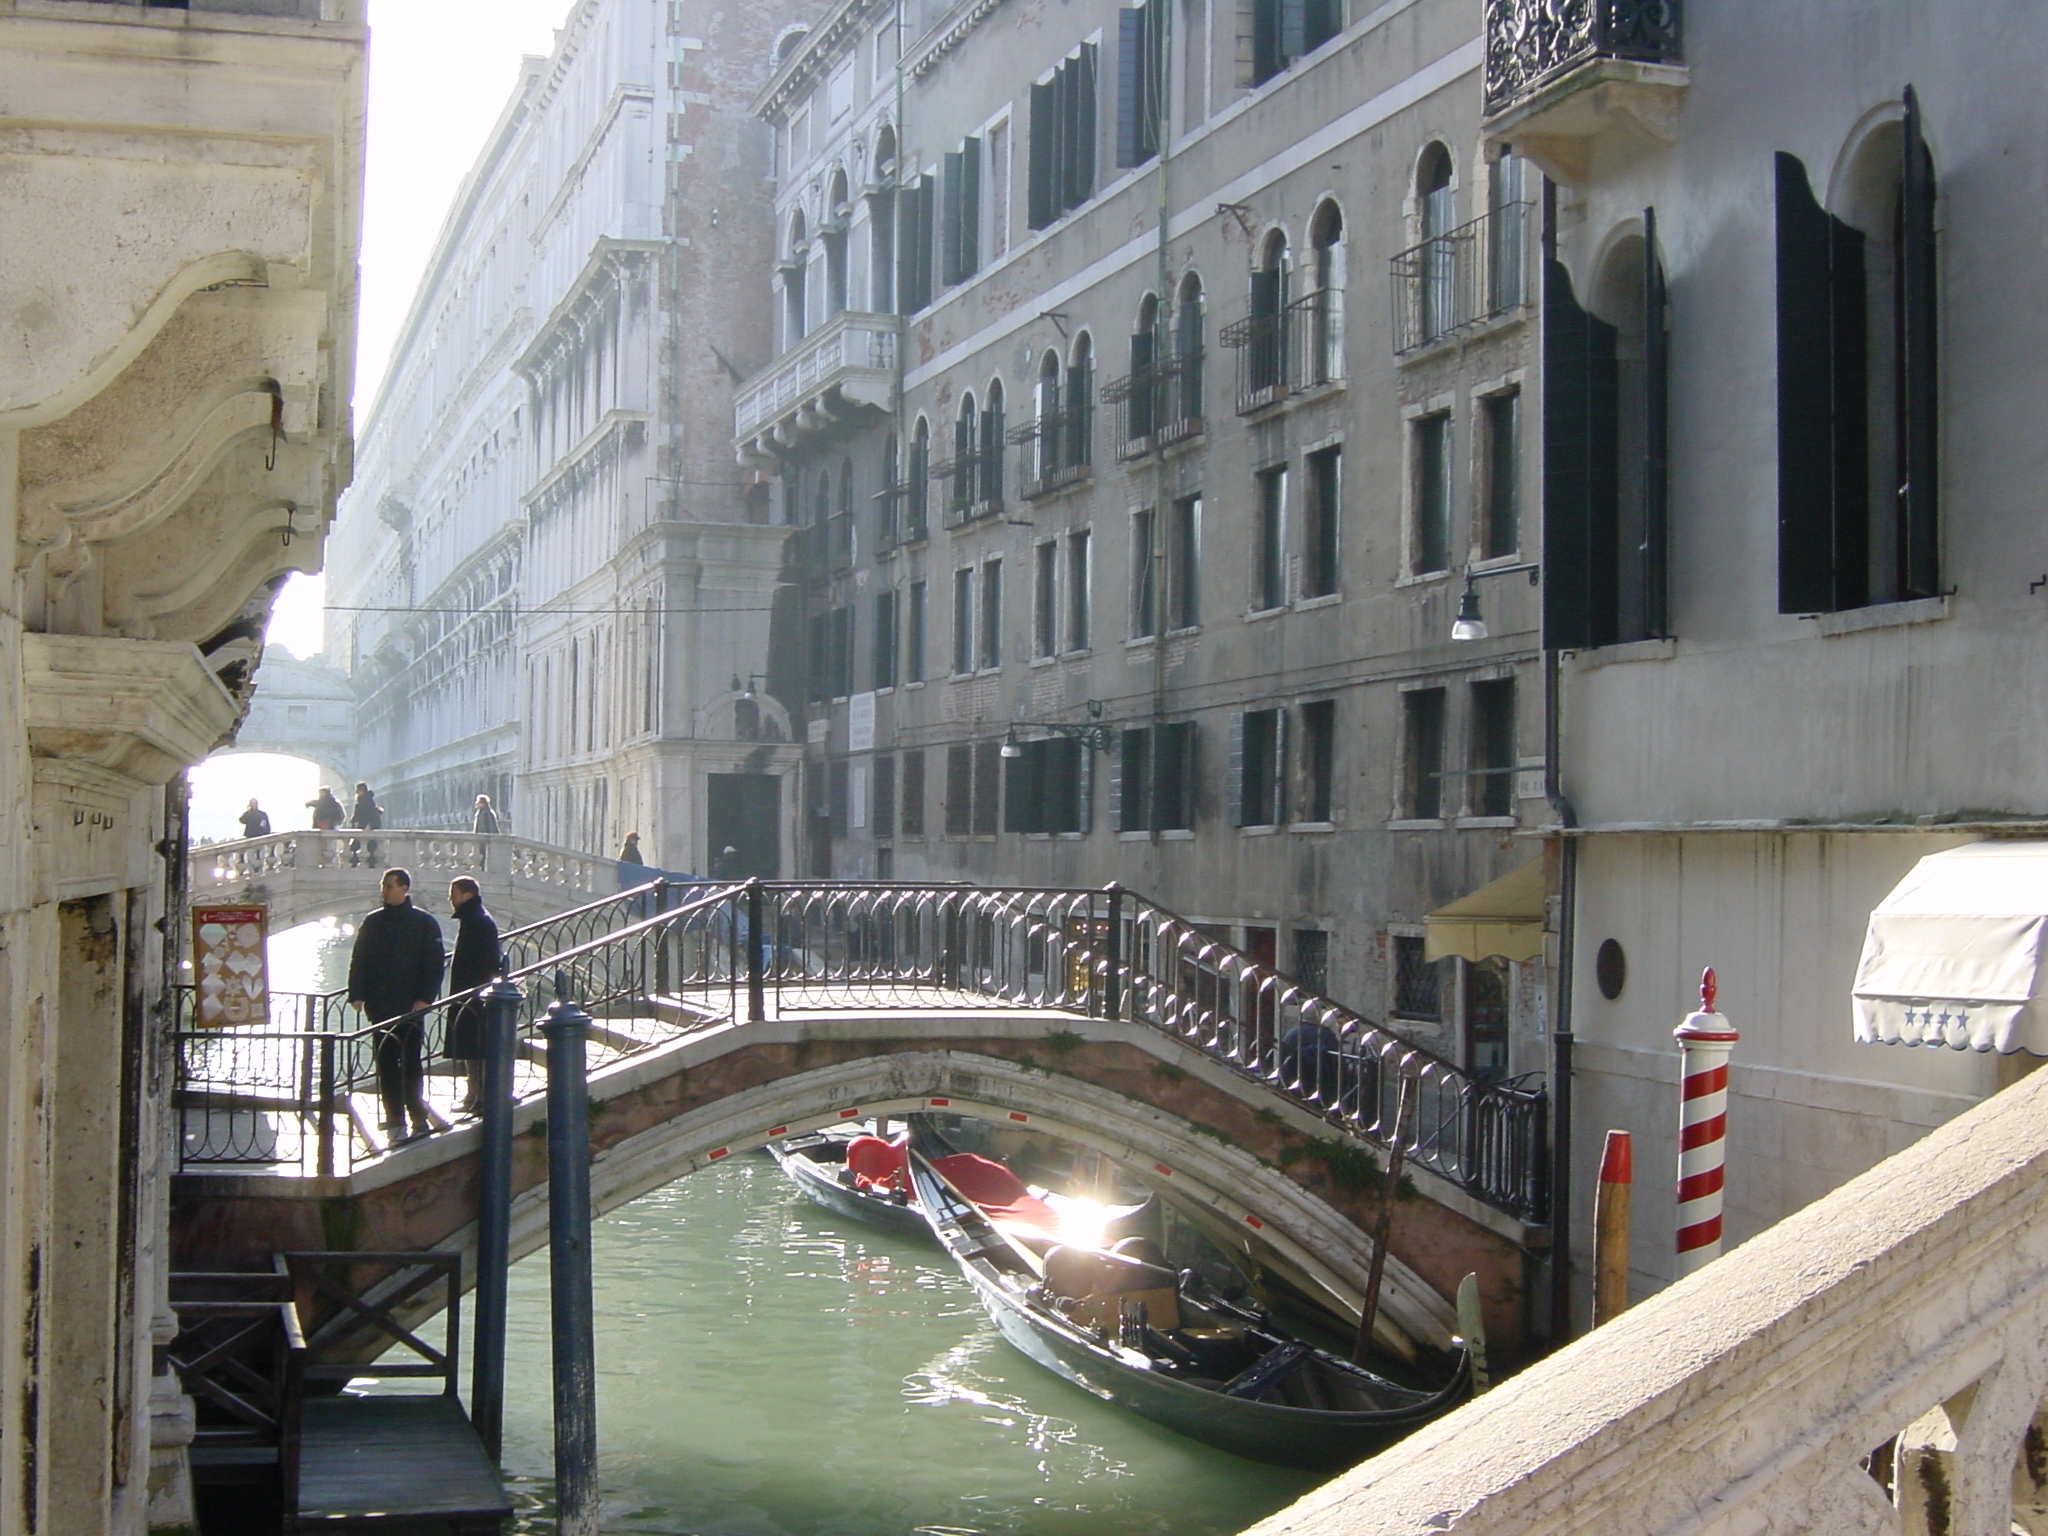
x=1140, y=81
x=988, y=775
x=1422, y=797
x=1078, y=638
x=1045, y=600
x=1045, y=787
x=1144, y=577
x=1501, y=420
x=915, y=238
x=998, y=189
x=1324, y=514
x=1259, y=768
x=1184, y=564
x=1173, y=776
x=818, y=656
x=992, y=614
x=913, y=792
x=1418, y=982
x=1269, y=539
x=1432, y=493
x=959, y=789
x=1312, y=960
x=1134, y=781
x=1284, y=30
x=842, y=652
x=963, y=621
x=1492, y=749
x=885, y=795
x=1318, y=760
x=885, y=640
x=1062, y=150
x=913, y=636
x=960, y=176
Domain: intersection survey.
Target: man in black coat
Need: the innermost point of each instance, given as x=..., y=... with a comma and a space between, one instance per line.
x=477, y=960
x=394, y=975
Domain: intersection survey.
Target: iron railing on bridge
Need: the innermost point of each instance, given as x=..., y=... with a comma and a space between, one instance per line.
x=650, y=972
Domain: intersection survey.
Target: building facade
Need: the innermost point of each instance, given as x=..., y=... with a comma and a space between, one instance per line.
x=182, y=188
x=551, y=585
x=1149, y=394
x=1788, y=448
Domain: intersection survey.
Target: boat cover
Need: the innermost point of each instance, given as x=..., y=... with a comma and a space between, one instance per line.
x=1001, y=1195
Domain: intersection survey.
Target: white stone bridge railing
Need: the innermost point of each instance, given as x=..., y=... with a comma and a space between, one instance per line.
x=1874, y=1363
x=304, y=875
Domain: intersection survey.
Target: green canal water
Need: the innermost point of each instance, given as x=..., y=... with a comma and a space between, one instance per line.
x=766, y=1369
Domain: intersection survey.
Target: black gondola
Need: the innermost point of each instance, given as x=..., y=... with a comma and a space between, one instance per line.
x=1136, y=1333
x=817, y=1163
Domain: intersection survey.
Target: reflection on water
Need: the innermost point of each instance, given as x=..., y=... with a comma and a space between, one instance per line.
x=767, y=1370
x=313, y=957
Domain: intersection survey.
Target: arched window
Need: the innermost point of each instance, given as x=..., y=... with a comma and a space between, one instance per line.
x=963, y=475
x=1142, y=403
x=1858, y=460
x=1603, y=450
x=917, y=516
x=839, y=537
x=832, y=232
x=991, y=488
x=1185, y=406
x=795, y=259
x=1045, y=402
x=1326, y=309
x=1078, y=408
x=1436, y=202
x=1265, y=351
x=887, y=513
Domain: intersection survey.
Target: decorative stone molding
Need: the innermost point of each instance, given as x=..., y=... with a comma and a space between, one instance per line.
x=141, y=710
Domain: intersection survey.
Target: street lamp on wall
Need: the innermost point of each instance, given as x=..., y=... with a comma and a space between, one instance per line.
x=1097, y=738
x=1470, y=624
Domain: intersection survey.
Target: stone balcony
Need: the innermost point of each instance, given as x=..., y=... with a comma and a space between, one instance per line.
x=1561, y=74
x=826, y=383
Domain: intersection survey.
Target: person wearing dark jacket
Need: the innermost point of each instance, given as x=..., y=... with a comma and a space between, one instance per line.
x=394, y=975
x=486, y=819
x=366, y=816
x=477, y=960
x=254, y=822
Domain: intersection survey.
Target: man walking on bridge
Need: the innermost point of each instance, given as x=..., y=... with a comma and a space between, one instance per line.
x=394, y=975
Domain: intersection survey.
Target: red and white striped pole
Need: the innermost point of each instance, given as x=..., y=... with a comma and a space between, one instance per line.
x=1704, y=1042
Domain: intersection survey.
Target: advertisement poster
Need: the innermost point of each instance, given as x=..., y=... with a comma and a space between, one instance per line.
x=230, y=966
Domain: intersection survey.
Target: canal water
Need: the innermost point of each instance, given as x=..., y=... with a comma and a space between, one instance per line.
x=767, y=1369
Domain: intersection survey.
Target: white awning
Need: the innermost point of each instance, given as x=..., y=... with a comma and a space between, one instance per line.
x=1503, y=917
x=1957, y=954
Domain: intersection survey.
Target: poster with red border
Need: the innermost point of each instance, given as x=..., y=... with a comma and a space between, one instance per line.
x=230, y=966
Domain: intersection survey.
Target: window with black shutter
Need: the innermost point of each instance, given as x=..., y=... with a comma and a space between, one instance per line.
x=1256, y=792
x=988, y=774
x=885, y=640
x=1858, y=467
x=884, y=810
x=1173, y=776
x=1491, y=773
x=1140, y=81
x=1423, y=793
x=1284, y=30
x=1024, y=789
x=915, y=239
x=959, y=790
x=1580, y=496
x=912, y=795
x=1061, y=174
x=1318, y=760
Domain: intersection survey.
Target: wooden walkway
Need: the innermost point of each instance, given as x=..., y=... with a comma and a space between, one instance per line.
x=368, y=1461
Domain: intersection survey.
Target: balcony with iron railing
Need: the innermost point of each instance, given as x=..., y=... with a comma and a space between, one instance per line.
x=1560, y=73
x=1157, y=405
x=828, y=382
x=1468, y=277
x=1282, y=353
x=974, y=484
x=1055, y=449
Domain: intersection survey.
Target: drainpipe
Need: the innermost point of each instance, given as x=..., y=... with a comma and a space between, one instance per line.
x=1561, y=1039
x=1162, y=500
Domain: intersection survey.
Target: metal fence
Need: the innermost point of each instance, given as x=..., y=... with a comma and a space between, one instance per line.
x=1461, y=278
x=1297, y=347
x=747, y=953
x=1529, y=42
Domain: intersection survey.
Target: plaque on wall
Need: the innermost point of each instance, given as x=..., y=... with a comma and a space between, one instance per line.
x=230, y=966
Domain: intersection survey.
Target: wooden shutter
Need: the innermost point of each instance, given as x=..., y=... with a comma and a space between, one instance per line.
x=1081, y=162
x=1024, y=789
x=1823, y=403
x=1233, y=771
x=1277, y=809
x=988, y=768
x=1038, y=192
x=970, y=206
x=951, y=212
x=1130, y=85
x=1919, y=293
x=1580, y=511
x=1084, y=789
x=1293, y=30
x=1656, y=574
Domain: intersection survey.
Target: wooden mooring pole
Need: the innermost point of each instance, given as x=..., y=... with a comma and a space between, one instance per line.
x=1610, y=1227
x=575, y=1353
x=1396, y=1154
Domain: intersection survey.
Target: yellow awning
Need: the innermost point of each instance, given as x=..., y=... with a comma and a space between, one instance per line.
x=1504, y=918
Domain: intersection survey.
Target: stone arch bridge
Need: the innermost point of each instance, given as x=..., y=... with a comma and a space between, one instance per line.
x=752, y=1012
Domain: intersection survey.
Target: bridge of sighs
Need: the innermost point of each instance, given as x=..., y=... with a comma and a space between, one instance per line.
x=725, y=1016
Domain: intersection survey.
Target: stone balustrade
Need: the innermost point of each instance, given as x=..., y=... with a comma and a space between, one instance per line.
x=1874, y=1363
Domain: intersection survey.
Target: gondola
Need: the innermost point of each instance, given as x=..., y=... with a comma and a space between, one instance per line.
x=851, y=1178
x=1134, y=1332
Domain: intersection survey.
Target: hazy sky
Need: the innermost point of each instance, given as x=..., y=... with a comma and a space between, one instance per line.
x=440, y=73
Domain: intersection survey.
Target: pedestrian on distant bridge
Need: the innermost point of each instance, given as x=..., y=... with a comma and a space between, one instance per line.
x=367, y=816
x=485, y=821
x=394, y=975
x=478, y=959
x=327, y=812
x=254, y=822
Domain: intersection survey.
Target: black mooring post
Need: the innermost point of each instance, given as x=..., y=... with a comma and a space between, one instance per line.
x=575, y=1355
x=1112, y=982
x=757, y=963
x=494, y=1216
